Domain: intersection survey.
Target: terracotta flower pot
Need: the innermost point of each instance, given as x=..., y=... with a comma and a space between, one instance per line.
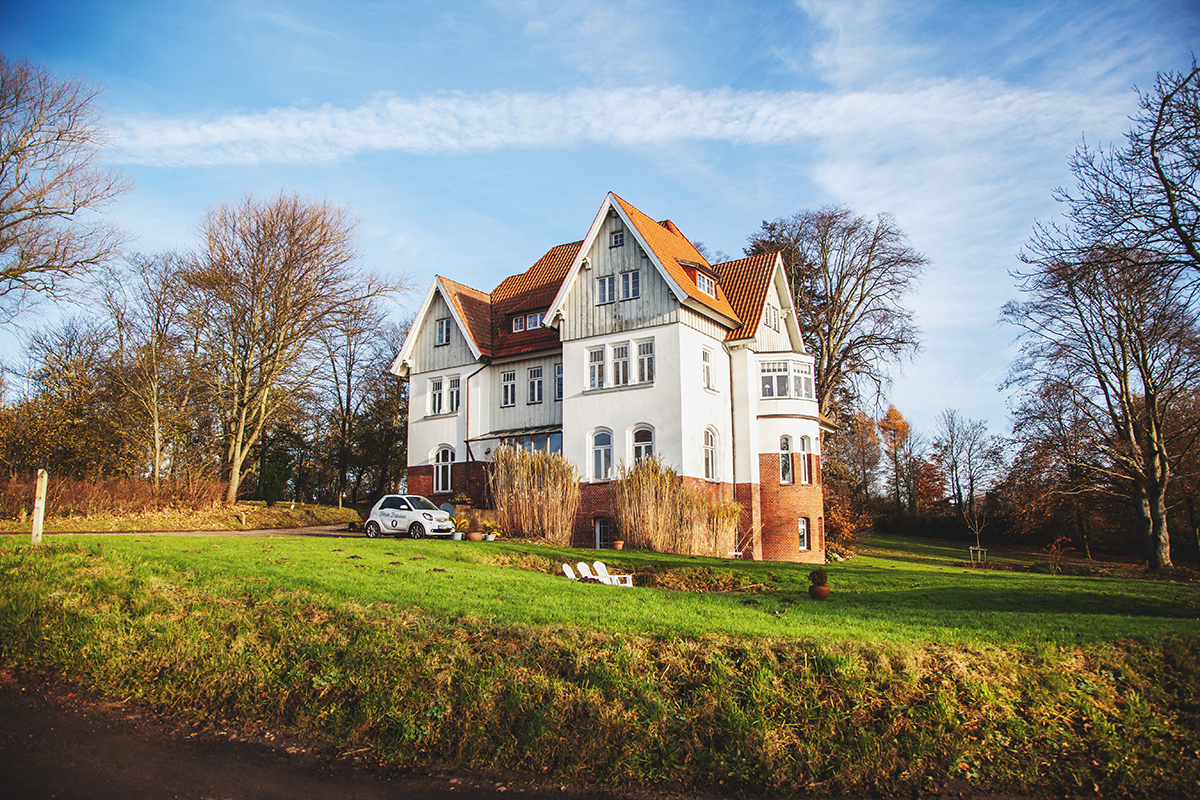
x=475, y=536
x=618, y=545
x=818, y=592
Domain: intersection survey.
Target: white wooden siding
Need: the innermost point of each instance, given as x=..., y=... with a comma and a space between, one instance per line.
x=427, y=356
x=583, y=318
x=524, y=414
x=699, y=322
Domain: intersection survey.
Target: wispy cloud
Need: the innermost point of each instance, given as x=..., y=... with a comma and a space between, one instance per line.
x=934, y=115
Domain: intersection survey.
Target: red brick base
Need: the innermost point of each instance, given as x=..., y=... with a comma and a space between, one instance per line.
x=465, y=476
x=782, y=508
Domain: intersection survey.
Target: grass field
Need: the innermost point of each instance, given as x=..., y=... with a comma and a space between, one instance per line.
x=709, y=673
x=257, y=515
x=899, y=591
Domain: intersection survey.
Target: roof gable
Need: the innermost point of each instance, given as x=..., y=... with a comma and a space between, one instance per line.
x=749, y=282
x=675, y=257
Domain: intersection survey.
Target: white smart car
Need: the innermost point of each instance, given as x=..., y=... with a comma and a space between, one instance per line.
x=398, y=514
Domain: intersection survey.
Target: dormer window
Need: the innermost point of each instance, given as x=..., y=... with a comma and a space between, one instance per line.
x=618, y=239
x=518, y=324
x=533, y=321
x=706, y=284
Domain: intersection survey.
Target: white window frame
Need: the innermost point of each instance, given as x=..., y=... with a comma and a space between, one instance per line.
x=606, y=530
x=518, y=324
x=535, y=386
x=631, y=285
x=645, y=349
x=802, y=380
x=802, y=533
x=602, y=456
x=596, y=368
x=435, y=397
x=443, y=332
x=558, y=382
x=643, y=449
x=620, y=362
x=508, y=389
x=805, y=461
x=706, y=284
x=618, y=239
x=787, y=472
x=443, y=466
x=706, y=368
x=606, y=289
x=710, y=454
x=453, y=394
x=533, y=321
x=770, y=373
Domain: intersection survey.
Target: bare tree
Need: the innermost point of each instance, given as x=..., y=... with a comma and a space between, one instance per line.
x=1142, y=197
x=51, y=184
x=272, y=277
x=973, y=461
x=348, y=353
x=146, y=307
x=1120, y=336
x=850, y=277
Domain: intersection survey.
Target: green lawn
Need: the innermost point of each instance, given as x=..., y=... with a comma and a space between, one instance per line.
x=899, y=590
x=916, y=676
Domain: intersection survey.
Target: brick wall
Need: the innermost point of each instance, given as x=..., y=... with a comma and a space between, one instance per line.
x=783, y=505
x=595, y=500
x=470, y=477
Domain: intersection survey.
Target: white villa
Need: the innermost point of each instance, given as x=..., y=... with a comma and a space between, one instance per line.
x=624, y=344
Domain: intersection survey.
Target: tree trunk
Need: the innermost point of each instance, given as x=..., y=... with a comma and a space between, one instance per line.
x=1160, y=541
x=1081, y=528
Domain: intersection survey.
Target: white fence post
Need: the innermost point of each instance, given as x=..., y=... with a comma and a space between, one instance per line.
x=39, y=505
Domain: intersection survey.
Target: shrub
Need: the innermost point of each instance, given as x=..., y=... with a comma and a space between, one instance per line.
x=655, y=511
x=68, y=497
x=536, y=494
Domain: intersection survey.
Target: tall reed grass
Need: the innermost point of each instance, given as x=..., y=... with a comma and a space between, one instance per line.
x=656, y=511
x=536, y=494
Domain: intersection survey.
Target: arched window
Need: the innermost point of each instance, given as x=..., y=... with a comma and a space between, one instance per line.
x=785, y=460
x=802, y=533
x=441, y=469
x=710, y=455
x=805, y=461
x=602, y=456
x=643, y=443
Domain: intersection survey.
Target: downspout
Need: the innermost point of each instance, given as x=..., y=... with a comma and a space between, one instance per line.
x=467, y=420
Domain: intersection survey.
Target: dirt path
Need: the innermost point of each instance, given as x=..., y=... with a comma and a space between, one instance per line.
x=57, y=742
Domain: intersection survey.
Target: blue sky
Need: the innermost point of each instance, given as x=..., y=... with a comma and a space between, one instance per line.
x=471, y=137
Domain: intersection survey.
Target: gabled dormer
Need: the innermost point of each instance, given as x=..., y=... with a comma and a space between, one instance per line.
x=452, y=328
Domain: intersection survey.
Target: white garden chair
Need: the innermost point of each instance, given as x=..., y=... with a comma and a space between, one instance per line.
x=585, y=572
x=612, y=579
x=570, y=573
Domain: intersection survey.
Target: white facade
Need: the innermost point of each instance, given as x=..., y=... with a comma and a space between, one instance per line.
x=651, y=351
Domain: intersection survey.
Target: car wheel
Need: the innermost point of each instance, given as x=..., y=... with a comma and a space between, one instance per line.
x=372, y=530
x=416, y=530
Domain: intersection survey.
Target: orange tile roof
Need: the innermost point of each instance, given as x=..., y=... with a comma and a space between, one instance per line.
x=746, y=283
x=671, y=247
x=474, y=309
x=532, y=290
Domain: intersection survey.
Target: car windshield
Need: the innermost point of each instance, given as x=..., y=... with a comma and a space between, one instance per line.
x=422, y=503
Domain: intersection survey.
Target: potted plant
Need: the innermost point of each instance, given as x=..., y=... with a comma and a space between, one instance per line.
x=820, y=584
x=461, y=498
x=618, y=544
x=490, y=529
x=460, y=526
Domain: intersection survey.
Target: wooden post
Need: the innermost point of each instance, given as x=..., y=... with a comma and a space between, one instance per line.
x=39, y=505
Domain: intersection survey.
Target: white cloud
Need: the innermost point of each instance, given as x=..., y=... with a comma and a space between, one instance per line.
x=934, y=116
